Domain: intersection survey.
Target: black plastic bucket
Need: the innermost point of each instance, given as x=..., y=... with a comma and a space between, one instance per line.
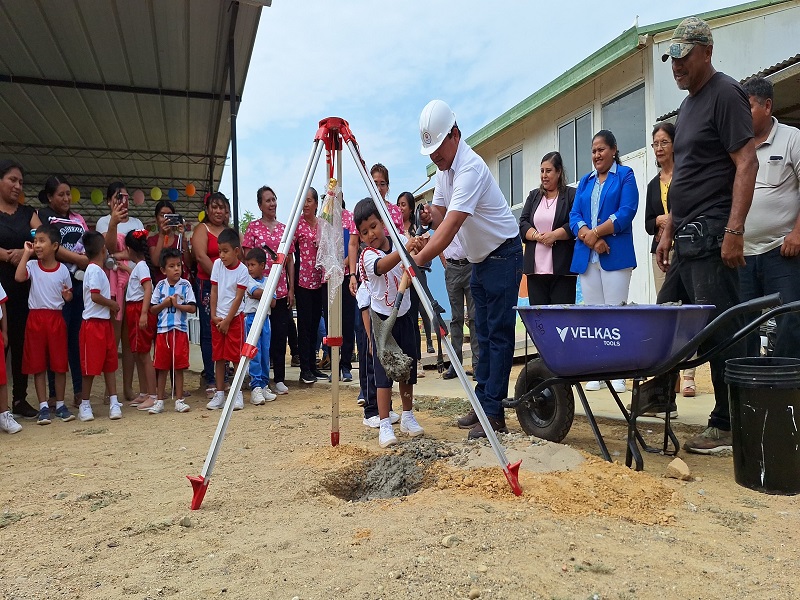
x=764, y=398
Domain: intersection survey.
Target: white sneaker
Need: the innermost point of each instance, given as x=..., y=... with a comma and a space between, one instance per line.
x=8, y=423
x=85, y=413
x=386, y=436
x=593, y=386
x=281, y=389
x=157, y=408
x=373, y=422
x=217, y=402
x=238, y=401
x=360, y=401
x=618, y=385
x=257, y=396
x=181, y=406
x=394, y=417
x=268, y=395
x=115, y=411
x=409, y=425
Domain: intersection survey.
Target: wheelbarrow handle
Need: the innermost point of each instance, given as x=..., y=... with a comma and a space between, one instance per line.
x=742, y=333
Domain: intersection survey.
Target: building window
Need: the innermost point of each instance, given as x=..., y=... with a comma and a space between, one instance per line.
x=510, y=176
x=624, y=117
x=575, y=146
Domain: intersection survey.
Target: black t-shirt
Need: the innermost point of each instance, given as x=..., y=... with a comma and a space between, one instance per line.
x=711, y=124
x=15, y=230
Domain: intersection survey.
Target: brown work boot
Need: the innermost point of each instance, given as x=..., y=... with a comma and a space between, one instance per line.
x=477, y=432
x=468, y=421
x=711, y=441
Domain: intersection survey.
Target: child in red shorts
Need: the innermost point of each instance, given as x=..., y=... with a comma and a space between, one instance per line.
x=45, y=330
x=7, y=421
x=172, y=300
x=229, y=279
x=141, y=324
x=97, y=341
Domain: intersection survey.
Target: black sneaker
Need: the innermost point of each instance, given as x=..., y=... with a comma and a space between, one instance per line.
x=21, y=408
x=449, y=374
x=318, y=374
x=295, y=360
x=307, y=377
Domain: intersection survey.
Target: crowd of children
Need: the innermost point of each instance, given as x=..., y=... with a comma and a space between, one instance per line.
x=157, y=323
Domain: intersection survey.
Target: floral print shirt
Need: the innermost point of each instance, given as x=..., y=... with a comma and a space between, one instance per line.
x=258, y=235
x=307, y=239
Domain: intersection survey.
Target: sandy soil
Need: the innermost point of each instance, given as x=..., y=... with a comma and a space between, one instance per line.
x=101, y=510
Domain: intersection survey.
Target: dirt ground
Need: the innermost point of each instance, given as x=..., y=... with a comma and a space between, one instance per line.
x=101, y=510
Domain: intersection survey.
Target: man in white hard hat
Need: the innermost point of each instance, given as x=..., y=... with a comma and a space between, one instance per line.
x=468, y=203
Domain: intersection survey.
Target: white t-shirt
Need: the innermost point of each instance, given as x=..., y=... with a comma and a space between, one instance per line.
x=228, y=280
x=46, y=285
x=132, y=224
x=250, y=303
x=172, y=318
x=382, y=288
x=3, y=300
x=95, y=280
x=468, y=186
x=139, y=274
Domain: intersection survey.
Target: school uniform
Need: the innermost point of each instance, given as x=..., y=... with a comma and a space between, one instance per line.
x=141, y=340
x=46, y=330
x=172, y=326
x=228, y=346
x=97, y=342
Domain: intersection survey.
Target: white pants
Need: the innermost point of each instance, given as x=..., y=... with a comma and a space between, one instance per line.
x=605, y=287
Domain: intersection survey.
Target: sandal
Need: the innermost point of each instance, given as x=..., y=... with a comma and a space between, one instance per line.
x=210, y=391
x=689, y=388
x=138, y=400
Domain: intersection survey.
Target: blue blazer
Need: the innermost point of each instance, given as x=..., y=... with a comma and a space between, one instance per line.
x=620, y=197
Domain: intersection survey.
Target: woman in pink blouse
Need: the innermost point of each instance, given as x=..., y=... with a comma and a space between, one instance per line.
x=309, y=289
x=267, y=232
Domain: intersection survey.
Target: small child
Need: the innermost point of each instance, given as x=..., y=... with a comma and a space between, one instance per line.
x=7, y=421
x=45, y=330
x=141, y=323
x=381, y=272
x=97, y=341
x=259, y=367
x=172, y=300
x=229, y=279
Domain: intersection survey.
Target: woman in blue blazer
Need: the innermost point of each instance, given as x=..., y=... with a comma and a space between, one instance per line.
x=601, y=218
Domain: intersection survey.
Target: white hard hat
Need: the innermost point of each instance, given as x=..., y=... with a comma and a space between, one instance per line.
x=435, y=123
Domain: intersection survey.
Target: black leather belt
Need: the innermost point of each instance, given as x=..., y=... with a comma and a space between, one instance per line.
x=459, y=261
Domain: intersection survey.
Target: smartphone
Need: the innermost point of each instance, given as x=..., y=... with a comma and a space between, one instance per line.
x=122, y=200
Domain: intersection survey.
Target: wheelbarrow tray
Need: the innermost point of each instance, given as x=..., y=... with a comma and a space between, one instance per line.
x=575, y=340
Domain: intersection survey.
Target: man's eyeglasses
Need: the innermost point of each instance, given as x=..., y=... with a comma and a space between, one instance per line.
x=662, y=144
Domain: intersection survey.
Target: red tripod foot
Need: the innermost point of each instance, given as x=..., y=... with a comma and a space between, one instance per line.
x=199, y=487
x=512, y=475
x=334, y=438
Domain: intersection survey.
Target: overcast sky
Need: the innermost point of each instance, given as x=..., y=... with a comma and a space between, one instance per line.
x=376, y=64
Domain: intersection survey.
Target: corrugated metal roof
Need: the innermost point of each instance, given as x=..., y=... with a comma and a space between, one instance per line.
x=616, y=50
x=131, y=90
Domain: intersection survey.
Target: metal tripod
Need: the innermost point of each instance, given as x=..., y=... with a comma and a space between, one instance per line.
x=332, y=134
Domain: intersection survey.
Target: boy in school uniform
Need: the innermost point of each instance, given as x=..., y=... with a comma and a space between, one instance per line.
x=381, y=272
x=98, y=344
x=256, y=261
x=229, y=279
x=172, y=300
x=45, y=330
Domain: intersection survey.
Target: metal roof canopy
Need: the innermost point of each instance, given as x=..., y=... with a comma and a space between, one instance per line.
x=129, y=90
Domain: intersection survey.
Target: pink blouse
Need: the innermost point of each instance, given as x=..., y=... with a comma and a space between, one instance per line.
x=543, y=221
x=307, y=240
x=259, y=235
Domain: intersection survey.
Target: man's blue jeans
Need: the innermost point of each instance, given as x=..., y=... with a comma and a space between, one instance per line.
x=495, y=290
x=766, y=274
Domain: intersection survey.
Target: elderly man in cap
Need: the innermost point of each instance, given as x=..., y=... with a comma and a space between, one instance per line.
x=709, y=197
x=468, y=203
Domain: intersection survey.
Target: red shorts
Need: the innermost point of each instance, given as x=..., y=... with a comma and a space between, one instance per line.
x=45, y=342
x=98, y=347
x=228, y=346
x=176, y=342
x=141, y=340
x=3, y=376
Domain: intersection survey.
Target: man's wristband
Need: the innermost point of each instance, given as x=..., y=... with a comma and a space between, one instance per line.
x=734, y=231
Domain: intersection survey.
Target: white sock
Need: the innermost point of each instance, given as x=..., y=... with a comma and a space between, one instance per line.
x=407, y=412
x=112, y=400
x=43, y=405
x=86, y=404
x=59, y=404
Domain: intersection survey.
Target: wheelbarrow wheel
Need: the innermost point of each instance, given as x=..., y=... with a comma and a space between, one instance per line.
x=549, y=415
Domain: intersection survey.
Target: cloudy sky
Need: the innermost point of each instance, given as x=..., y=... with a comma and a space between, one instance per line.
x=377, y=64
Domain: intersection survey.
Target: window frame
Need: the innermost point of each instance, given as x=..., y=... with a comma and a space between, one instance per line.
x=621, y=93
x=573, y=118
x=509, y=154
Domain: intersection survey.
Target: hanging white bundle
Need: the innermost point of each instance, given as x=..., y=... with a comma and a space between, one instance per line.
x=330, y=255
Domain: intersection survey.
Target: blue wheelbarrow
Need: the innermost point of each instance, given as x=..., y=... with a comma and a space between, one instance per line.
x=649, y=344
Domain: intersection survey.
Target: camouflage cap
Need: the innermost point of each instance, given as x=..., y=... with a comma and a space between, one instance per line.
x=691, y=31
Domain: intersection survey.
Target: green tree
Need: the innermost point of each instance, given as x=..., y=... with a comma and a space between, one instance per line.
x=245, y=220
